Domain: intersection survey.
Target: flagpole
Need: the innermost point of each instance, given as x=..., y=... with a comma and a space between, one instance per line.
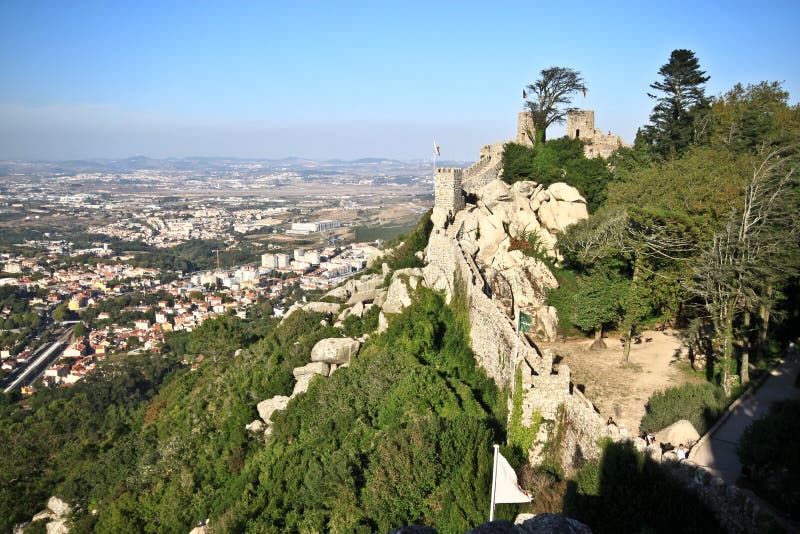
x=434, y=157
x=494, y=480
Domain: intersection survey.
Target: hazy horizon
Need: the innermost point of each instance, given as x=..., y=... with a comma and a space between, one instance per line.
x=194, y=79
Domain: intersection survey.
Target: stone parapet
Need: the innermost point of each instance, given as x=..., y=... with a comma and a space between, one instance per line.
x=481, y=173
x=736, y=509
x=495, y=150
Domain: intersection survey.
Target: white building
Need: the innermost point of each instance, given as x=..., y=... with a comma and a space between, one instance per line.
x=312, y=227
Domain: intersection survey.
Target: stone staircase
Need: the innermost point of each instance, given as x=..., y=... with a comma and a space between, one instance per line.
x=480, y=173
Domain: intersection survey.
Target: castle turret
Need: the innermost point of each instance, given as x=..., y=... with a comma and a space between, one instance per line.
x=525, y=129
x=580, y=124
x=448, y=198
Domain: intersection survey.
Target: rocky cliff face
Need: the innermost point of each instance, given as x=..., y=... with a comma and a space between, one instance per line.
x=489, y=234
x=478, y=252
x=481, y=249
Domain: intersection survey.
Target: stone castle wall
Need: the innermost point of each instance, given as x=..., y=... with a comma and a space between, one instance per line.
x=482, y=172
x=493, y=334
x=493, y=338
x=736, y=509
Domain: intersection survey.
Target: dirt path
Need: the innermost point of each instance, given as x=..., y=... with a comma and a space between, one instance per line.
x=618, y=389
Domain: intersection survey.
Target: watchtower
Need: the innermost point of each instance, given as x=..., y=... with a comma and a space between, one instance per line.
x=525, y=129
x=580, y=124
x=448, y=197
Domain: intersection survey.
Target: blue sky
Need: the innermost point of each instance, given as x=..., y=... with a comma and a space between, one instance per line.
x=84, y=79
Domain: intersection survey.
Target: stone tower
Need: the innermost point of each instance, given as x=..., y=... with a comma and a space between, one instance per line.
x=580, y=124
x=448, y=197
x=525, y=129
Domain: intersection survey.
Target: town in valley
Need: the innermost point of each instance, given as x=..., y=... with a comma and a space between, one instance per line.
x=98, y=258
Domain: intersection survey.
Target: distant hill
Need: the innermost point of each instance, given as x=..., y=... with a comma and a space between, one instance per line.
x=143, y=163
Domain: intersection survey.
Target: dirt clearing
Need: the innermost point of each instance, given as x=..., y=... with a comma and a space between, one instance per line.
x=621, y=389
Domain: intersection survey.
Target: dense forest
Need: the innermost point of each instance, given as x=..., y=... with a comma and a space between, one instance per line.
x=693, y=226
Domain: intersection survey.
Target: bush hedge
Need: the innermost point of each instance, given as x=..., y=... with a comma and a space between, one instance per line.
x=700, y=404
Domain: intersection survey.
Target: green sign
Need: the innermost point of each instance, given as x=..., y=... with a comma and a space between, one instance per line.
x=524, y=322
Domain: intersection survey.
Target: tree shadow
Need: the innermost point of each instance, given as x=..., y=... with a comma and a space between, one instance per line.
x=625, y=492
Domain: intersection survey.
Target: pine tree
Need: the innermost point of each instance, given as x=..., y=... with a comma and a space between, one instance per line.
x=680, y=118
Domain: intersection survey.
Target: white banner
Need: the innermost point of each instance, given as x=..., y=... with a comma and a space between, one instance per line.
x=507, y=489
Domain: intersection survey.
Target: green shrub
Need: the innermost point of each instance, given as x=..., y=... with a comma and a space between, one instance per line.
x=404, y=256
x=700, y=404
x=771, y=457
x=562, y=299
x=558, y=160
x=519, y=435
x=355, y=326
x=518, y=163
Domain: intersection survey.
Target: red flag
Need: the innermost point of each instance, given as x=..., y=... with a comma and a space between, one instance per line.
x=584, y=91
x=524, y=94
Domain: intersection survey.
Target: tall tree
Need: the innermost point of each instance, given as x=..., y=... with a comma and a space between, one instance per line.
x=680, y=116
x=758, y=244
x=550, y=96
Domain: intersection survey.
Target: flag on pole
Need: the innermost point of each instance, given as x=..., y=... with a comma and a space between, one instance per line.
x=436, y=149
x=507, y=488
x=524, y=94
x=524, y=324
x=584, y=91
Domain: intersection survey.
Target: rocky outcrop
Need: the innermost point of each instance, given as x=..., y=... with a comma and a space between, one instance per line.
x=257, y=425
x=491, y=232
x=678, y=432
x=565, y=193
x=335, y=350
x=404, y=283
x=267, y=407
x=58, y=507
x=313, y=368
x=301, y=384
x=357, y=286
x=327, y=356
x=323, y=307
x=398, y=298
x=56, y=515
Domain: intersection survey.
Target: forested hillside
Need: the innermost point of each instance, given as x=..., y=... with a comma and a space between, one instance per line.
x=695, y=226
x=402, y=436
